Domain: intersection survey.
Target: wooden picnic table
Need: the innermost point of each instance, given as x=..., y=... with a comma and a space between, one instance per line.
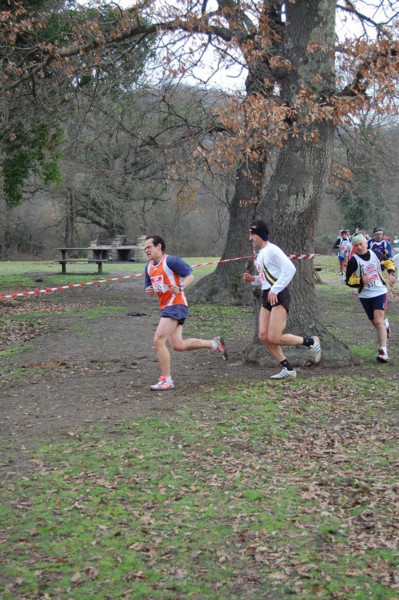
x=100, y=254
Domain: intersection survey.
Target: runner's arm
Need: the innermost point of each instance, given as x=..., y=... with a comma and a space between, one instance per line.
x=147, y=280
x=187, y=280
x=389, y=265
x=287, y=270
x=252, y=279
x=183, y=270
x=351, y=279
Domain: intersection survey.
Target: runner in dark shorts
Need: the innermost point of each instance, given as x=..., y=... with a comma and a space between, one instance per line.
x=275, y=271
x=283, y=299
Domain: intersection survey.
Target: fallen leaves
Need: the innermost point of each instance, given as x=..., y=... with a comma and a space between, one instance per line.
x=18, y=322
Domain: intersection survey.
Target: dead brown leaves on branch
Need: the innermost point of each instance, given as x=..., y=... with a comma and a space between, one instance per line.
x=250, y=125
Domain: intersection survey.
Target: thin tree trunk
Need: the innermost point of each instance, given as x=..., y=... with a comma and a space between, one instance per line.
x=70, y=221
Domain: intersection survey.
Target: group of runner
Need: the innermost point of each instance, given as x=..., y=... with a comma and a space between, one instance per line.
x=169, y=276
x=379, y=242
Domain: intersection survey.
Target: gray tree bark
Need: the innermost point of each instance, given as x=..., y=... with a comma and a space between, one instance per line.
x=290, y=201
x=70, y=219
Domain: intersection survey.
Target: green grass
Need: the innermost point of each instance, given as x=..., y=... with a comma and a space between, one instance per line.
x=257, y=491
x=366, y=352
x=211, y=318
x=261, y=492
x=23, y=372
x=12, y=350
x=329, y=266
x=22, y=274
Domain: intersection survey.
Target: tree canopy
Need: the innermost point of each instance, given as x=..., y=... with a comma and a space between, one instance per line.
x=39, y=85
x=47, y=47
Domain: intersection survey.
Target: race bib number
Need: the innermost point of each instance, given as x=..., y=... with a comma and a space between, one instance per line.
x=157, y=283
x=371, y=280
x=260, y=273
x=370, y=277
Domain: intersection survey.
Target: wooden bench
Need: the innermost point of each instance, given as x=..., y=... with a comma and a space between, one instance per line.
x=100, y=254
x=63, y=262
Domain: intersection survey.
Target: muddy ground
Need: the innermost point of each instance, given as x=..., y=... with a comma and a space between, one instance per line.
x=79, y=371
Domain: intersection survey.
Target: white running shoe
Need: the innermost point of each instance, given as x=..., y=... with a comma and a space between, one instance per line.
x=387, y=327
x=284, y=373
x=382, y=356
x=220, y=347
x=315, y=349
x=163, y=385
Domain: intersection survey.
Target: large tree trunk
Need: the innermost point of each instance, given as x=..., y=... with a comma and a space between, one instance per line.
x=290, y=203
x=225, y=284
x=290, y=206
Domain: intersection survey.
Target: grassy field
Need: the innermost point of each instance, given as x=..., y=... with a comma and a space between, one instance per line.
x=23, y=273
x=256, y=491
x=252, y=495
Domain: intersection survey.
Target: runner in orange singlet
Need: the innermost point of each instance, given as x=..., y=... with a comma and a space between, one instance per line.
x=168, y=277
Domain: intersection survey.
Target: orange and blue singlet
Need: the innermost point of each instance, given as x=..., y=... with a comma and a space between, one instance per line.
x=168, y=272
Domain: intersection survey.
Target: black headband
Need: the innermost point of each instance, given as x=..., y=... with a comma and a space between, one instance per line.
x=260, y=232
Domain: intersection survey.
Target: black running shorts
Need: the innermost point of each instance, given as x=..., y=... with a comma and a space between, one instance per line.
x=283, y=298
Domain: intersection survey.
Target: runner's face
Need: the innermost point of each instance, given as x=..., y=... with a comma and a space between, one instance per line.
x=378, y=236
x=360, y=247
x=152, y=252
x=256, y=241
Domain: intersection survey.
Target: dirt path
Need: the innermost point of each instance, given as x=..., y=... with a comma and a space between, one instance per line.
x=100, y=370
x=92, y=371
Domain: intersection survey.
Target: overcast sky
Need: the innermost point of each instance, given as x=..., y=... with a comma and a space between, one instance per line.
x=232, y=78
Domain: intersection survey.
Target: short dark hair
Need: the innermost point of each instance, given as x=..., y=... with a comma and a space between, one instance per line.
x=156, y=239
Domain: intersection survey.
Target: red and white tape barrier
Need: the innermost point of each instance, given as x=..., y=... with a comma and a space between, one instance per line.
x=301, y=256
x=70, y=286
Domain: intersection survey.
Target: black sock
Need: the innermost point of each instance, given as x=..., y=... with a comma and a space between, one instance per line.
x=307, y=341
x=287, y=365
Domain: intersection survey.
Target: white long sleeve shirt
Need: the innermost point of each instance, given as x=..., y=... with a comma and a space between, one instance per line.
x=274, y=268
